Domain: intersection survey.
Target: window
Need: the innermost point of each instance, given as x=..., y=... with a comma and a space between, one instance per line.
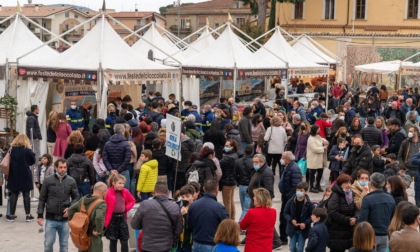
x=201, y=21
x=413, y=9
x=298, y=11
x=76, y=16
x=360, y=9
x=329, y=9
x=240, y=20
x=67, y=27
x=67, y=14
x=216, y=25
x=185, y=23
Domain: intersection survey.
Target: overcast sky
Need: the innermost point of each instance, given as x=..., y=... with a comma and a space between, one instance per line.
x=119, y=5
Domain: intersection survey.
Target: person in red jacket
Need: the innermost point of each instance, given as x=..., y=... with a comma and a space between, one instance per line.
x=259, y=223
x=118, y=201
x=323, y=124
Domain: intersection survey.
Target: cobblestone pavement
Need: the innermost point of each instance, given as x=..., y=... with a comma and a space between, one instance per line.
x=22, y=236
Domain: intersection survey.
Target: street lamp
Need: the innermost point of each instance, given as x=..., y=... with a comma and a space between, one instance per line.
x=178, y=4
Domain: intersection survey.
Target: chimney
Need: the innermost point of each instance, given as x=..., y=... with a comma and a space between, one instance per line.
x=36, y=7
x=1, y=7
x=136, y=10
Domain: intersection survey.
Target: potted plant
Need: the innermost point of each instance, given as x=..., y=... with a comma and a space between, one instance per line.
x=9, y=102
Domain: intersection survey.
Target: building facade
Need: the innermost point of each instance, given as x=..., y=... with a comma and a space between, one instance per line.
x=358, y=31
x=185, y=20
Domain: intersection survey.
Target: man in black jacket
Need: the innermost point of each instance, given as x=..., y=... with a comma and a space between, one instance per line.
x=393, y=112
x=371, y=135
x=81, y=169
x=297, y=120
x=58, y=193
x=33, y=130
x=259, y=107
x=398, y=136
x=244, y=168
x=244, y=127
x=160, y=220
x=360, y=158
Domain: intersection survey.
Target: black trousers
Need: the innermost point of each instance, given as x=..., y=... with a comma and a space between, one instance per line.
x=26, y=202
x=283, y=221
x=273, y=160
x=319, y=173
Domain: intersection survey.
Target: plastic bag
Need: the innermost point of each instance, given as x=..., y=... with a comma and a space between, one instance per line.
x=302, y=165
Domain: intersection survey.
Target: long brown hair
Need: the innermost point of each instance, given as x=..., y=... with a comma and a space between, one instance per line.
x=364, y=237
x=52, y=117
x=61, y=118
x=396, y=222
x=228, y=233
x=397, y=185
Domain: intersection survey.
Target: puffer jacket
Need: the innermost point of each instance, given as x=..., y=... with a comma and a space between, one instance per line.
x=305, y=216
x=336, y=165
x=339, y=214
x=396, y=140
x=117, y=153
x=56, y=196
x=205, y=167
x=371, y=135
x=148, y=176
x=156, y=116
x=277, y=139
x=193, y=134
x=244, y=168
x=360, y=159
x=157, y=228
x=32, y=123
x=162, y=159
x=289, y=179
x=110, y=199
x=228, y=169
x=318, y=237
x=81, y=161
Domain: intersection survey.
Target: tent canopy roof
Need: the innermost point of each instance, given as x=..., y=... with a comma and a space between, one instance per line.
x=202, y=42
x=385, y=67
x=102, y=45
x=228, y=51
x=17, y=40
x=305, y=47
x=279, y=46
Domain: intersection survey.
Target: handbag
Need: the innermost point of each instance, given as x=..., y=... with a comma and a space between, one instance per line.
x=267, y=143
x=302, y=163
x=5, y=164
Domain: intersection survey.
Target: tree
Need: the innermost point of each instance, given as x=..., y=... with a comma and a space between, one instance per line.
x=163, y=9
x=272, y=19
x=251, y=30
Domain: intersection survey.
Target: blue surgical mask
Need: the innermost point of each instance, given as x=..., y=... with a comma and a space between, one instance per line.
x=226, y=149
x=363, y=183
x=257, y=167
x=388, y=191
x=300, y=194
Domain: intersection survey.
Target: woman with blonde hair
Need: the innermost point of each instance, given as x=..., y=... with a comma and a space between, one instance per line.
x=51, y=135
x=20, y=175
x=364, y=239
x=259, y=222
x=316, y=155
x=277, y=138
x=227, y=236
x=381, y=125
x=62, y=130
x=285, y=122
x=74, y=138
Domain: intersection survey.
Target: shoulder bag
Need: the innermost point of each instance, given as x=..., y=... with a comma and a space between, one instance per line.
x=175, y=239
x=5, y=164
x=267, y=143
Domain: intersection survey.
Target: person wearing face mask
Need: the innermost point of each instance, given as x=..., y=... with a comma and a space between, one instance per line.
x=315, y=112
x=228, y=182
x=411, y=120
x=407, y=239
x=341, y=214
x=396, y=187
x=290, y=178
x=398, y=135
x=337, y=157
x=377, y=208
x=74, y=117
x=350, y=113
x=409, y=148
x=360, y=158
x=187, y=109
x=112, y=116
x=360, y=187
x=300, y=109
x=85, y=110
x=187, y=198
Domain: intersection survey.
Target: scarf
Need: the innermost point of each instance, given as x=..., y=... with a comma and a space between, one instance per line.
x=349, y=196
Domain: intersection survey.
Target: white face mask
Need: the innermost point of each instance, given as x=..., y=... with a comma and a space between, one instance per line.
x=410, y=135
x=312, y=106
x=73, y=106
x=341, y=117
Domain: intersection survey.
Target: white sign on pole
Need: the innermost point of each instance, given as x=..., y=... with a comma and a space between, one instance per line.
x=173, y=137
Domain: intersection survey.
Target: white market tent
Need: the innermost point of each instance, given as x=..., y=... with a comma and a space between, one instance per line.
x=103, y=51
x=16, y=41
x=385, y=67
x=304, y=45
x=203, y=41
x=278, y=45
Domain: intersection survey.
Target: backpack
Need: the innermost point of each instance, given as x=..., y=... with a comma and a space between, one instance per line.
x=79, y=225
x=78, y=172
x=193, y=175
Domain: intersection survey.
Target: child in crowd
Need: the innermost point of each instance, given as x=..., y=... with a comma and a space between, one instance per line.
x=119, y=201
x=392, y=165
x=324, y=202
x=337, y=157
x=197, y=188
x=227, y=236
x=45, y=169
x=148, y=175
x=378, y=161
x=318, y=236
x=187, y=197
x=297, y=212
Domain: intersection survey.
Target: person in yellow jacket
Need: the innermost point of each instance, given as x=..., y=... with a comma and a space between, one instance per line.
x=148, y=175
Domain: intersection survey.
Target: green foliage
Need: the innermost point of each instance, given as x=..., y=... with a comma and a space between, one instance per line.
x=388, y=54
x=272, y=20
x=10, y=102
x=163, y=9
x=251, y=30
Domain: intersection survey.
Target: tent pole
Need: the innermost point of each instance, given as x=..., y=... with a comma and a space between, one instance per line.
x=328, y=88
x=235, y=76
x=7, y=77
x=286, y=91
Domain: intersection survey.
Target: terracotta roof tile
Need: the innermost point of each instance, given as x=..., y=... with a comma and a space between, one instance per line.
x=365, y=27
x=371, y=34
x=131, y=14
x=222, y=4
x=29, y=11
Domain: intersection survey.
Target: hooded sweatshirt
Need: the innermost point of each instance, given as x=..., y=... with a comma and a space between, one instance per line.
x=148, y=176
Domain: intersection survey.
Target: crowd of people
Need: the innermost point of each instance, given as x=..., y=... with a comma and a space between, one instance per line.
x=370, y=145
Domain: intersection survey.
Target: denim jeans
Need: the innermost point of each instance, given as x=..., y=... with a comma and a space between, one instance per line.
x=197, y=247
x=51, y=228
x=84, y=189
x=104, y=179
x=245, y=200
x=297, y=242
x=126, y=174
x=145, y=196
x=381, y=243
x=133, y=184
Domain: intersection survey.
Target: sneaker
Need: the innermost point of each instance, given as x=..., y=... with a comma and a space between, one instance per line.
x=320, y=189
x=10, y=218
x=29, y=218
x=277, y=247
x=313, y=190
